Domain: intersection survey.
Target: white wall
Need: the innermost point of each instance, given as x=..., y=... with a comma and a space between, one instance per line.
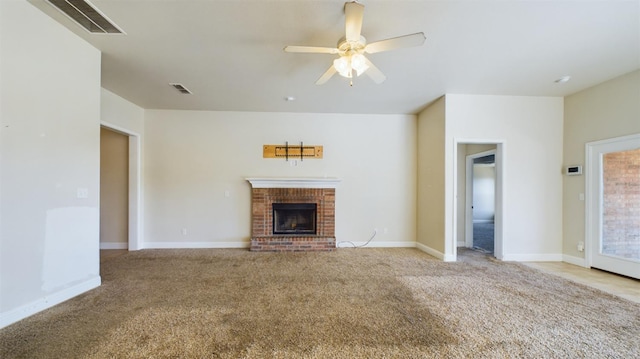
x=530, y=129
x=192, y=159
x=49, y=141
x=608, y=110
x=120, y=113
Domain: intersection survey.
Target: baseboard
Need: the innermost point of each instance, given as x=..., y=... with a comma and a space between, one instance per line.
x=461, y=244
x=375, y=244
x=186, y=245
x=430, y=251
x=574, y=260
x=114, y=245
x=435, y=253
x=48, y=301
x=343, y=244
x=541, y=257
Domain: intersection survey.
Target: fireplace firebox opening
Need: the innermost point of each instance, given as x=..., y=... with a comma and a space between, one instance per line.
x=294, y=218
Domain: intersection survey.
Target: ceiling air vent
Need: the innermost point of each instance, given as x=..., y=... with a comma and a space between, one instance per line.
x=87, y=16
x=182, y=89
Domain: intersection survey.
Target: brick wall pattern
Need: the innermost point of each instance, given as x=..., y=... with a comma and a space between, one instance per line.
x=262, y=237
x=621, y=204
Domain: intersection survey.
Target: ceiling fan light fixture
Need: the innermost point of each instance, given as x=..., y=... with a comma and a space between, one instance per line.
x=345, y=65
x=353, y=45
x=359, y=63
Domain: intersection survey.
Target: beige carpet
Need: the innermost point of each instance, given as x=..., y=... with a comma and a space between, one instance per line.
x=353, y=303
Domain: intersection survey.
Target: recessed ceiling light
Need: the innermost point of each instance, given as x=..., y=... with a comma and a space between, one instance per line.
x=563, y=79
x=289, y=98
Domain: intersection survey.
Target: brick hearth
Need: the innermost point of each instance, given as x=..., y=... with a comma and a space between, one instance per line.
x=265, y=192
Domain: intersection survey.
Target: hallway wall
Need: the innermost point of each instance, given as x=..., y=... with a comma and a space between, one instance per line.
x=114, y=190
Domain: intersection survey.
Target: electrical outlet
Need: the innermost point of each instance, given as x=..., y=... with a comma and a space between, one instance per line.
x=580, y=246
x=184, y=231
x=82, y=192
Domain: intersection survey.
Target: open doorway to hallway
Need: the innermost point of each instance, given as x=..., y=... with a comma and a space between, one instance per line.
x=483, y=203
x=114, y=193
x=478, y=199
x=128, y=154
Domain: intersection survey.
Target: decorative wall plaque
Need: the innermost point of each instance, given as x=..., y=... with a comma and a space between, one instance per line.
x=287, y=151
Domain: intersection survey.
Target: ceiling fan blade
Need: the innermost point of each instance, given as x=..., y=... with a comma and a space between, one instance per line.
x=353, y=13
x=376, y=75
x=311, y=49
x=416, y=39
x=326, y=76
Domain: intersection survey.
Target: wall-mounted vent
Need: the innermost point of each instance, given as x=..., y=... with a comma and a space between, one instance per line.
x=182, y=89
x=87, y=16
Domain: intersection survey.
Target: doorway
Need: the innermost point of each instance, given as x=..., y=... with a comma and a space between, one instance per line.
x=134, y=190
x=613, y=205
x=483, y=189
x=491, y=152
x=114, y=191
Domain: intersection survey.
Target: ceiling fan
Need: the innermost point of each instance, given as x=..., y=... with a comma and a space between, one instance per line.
x=351, y=48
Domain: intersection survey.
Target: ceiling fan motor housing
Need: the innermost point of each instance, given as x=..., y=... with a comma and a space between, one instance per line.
x=346, y=48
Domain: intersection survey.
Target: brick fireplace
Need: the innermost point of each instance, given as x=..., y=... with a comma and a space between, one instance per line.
x=267, y=192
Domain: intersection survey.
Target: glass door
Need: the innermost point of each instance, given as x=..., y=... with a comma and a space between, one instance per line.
x=614, y=206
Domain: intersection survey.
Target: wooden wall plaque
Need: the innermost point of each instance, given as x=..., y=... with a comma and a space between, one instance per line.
x=292, y=151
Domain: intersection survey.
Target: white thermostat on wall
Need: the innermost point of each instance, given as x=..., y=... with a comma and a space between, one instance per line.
x=574, y=170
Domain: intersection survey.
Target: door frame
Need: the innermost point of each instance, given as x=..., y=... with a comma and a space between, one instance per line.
x=451, y=241
x=592, y=182
x=468, y=212
x=135, y=232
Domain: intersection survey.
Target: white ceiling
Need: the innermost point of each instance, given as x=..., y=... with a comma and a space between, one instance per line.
x=229, y=53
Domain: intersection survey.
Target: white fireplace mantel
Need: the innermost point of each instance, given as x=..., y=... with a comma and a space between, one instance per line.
x=293, y=182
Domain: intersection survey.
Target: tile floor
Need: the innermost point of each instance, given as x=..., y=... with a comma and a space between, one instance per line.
x=621, y=286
